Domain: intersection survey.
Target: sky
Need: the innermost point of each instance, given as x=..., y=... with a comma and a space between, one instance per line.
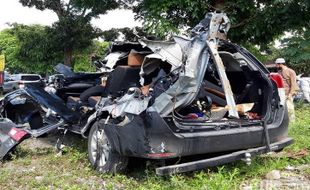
x=12, y=11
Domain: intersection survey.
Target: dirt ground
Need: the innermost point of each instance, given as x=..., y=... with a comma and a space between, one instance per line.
x=289, y=178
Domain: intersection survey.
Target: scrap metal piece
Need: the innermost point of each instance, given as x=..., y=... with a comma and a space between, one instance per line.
x=169, y=51
x=10, y=136
x=186, y=88
x=219, y=26
x=218, y=29
x=130, y=103
x=225, y=82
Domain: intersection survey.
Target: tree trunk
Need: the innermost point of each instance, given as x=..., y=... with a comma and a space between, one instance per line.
x=218, y=4
x=68, y=57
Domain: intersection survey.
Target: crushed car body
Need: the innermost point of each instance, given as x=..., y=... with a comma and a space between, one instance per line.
x=206, y=95
x=193, y=96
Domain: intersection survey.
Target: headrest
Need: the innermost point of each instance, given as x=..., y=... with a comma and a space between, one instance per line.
x=135, y=58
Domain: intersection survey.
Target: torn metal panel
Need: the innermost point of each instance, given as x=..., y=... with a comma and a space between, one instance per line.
x=10, y=136
x=112, y=58
x=185, y=89
x=169, y=51
x=130, y=103
x=218, y=29
x=44, y=98
x=64, y=69
x=219, y=26
x=150, y=64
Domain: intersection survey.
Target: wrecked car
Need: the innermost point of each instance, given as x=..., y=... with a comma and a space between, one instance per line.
x=34, y=111
x=69, y=83
x=192, y=96
x=162, y=100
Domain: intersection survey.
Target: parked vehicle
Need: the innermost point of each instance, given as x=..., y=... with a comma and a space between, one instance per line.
x=33, y=111
x=17, y=81
x=192, y=96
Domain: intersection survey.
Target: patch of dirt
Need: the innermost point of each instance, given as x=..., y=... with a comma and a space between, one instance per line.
x=288, y=180
x=291, y=178
x=49, y=141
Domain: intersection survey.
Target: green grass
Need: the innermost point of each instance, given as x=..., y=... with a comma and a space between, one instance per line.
x=43, y=170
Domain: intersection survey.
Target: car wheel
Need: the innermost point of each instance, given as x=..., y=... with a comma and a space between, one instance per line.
x=100, y=154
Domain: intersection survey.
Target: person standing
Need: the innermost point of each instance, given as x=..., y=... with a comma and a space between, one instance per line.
x=290, y=85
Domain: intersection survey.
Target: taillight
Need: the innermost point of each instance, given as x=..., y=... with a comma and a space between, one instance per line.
x=277, y=78
x=161, y=155
x=17, y=134
x=21, y=84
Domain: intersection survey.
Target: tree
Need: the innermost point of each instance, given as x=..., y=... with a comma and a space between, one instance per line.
x=129, y=34
x=110, y=35
x=254, y=21
x=27, y=49
x=9, y=47
x=83, y=59
x=296, y=51
x=73, y=30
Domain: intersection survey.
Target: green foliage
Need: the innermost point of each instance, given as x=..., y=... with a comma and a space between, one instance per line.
x=82, y=60
x=9, y=47
x=128, y=34
x=35, y=50
x=297, y=51
x=110, y=35
x=267, y=55
x=73, y=31
x=258, y=22
x=28, y=50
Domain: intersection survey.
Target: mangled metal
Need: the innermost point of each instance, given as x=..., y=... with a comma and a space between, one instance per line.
x=190, y=57
x=190, y=77
x=10, y=136
x=167, y=100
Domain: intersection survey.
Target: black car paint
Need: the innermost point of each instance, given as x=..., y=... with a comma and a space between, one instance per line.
x=69, y=83
x=41, y=97
x=7, y=143
x=154, y=134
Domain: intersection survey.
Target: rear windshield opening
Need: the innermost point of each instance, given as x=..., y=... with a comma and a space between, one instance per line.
x=248, y=87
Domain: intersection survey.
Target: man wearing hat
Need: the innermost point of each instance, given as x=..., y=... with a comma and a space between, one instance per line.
x=290, y=85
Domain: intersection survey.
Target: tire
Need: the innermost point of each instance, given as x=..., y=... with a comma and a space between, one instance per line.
x=108, y=160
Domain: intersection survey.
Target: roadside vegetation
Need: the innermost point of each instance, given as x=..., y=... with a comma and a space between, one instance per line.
x=70, y=40
x=44, y=169
x=26, y=51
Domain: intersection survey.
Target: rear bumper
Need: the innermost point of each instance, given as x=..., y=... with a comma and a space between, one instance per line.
x=227, y=158
x=149, y=136
x=10, y=136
